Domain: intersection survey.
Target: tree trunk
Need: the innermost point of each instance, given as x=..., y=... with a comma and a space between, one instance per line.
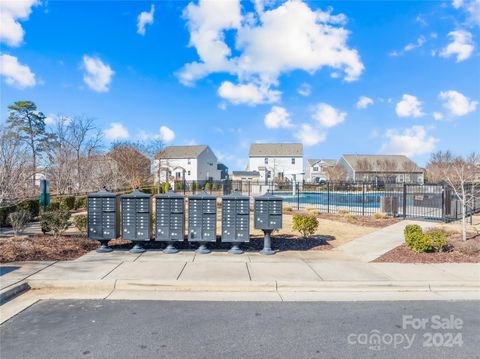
x=464, y=221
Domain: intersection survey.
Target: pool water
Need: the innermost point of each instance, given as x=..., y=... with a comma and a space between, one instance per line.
x=369, y=200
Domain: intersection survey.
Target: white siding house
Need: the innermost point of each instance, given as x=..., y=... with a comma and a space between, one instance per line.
x=277, y=161
x=190, y=163
x=316, y=170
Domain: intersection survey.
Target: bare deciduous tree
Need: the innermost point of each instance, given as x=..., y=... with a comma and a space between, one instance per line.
x=461, y=174
x=385, y=169
x=131, y=162
x=15, y=168
x=336, y=173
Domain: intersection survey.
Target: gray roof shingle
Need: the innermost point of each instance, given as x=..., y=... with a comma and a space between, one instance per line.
x=180, y=152
x=402, y=162
x=276, y=150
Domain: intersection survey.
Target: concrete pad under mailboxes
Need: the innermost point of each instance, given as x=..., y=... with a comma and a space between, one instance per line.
x=282, y=257
x=282, y=271
x=347, y=271
x=76, y=270
x=152, y=270
x=116, y=255
x=211, y=271
x=222, y=256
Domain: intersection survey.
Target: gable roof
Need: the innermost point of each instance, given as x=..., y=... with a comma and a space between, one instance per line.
x=246, y=173
x=400, y=163
x=276, y=150
x=328, y=162
x=181, y=152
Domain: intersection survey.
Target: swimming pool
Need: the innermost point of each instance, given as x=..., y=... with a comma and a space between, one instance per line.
x=355, y=199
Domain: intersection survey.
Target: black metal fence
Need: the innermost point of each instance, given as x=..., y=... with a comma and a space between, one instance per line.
x=424, y=201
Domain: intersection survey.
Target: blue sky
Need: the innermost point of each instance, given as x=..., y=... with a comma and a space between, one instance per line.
x=228, y=74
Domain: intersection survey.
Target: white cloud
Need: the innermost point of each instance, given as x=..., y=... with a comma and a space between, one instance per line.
x=419, y=43
x=166, y=134
x=327, y=116
x=145, y=17
x=248, y=93
x=304, y=89
x=409, y=106
x=364, y=102
x=268, y=43
x=11, y=12
x=457, y=104
x=471, y=7
x=278, y=117
x=98, y=75
x=15, y=73
x=438, y=116
x=310, y=136
x=116, y=131
x=411, y=142
x=461, y=45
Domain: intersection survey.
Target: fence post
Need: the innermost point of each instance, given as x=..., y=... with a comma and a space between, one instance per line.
x=328, y=197
x=404, y=200
x=443, y=204
x=363, y=198
x=298, y=198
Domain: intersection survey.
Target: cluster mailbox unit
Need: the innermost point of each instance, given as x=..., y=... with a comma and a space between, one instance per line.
x=135, y=209
x=169, y=219
x=235, y=220
x=267, y=217
x=102, y=218
x=202, y=220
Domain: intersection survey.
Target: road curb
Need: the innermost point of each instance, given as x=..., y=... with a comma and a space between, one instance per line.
x=8, y=294
x=257, y=286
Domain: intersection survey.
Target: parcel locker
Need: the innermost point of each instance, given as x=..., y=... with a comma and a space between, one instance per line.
x=102, y=218
x=169, y=219
x=202, y=220
x=135, y=209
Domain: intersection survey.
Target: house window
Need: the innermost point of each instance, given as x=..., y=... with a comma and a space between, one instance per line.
x=266, y=160
x=178, y=175
x=188, y=173
x=315, y=169
x=293, y=161
x=189, y=161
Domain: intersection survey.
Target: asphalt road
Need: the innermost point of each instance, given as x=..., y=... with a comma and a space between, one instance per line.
x=156, y=329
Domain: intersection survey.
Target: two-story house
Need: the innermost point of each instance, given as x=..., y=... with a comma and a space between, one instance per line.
x=277, y=161
x=381, y=168
x=317, y=170
x=190, y=163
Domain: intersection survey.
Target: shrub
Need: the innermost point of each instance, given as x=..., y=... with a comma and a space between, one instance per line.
x=165, y=187
x=4, y=212
x=216, y=186
x=18, y=220
x=80, y=222
x=351, y=216
x=196, y=186
x=178, y=186
x=305, y=224
x=31, y=205
x=343, y=212
x=208, y=186
x=415, y=239
x=80, y=202
x=437, y=238
x=54, y=205
x=68, y=203
x=380, y=215
x=55, y=221
x=287, y=209
x=310, y=209
x=470, y=248
x=146, y=190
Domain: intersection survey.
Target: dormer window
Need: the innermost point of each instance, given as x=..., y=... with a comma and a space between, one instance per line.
x=293, y=161
x=266, y=160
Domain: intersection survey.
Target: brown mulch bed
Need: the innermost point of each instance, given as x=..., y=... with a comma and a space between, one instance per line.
x=364, y=221
x=456, y=252
x=47, y=248
x=44, y=248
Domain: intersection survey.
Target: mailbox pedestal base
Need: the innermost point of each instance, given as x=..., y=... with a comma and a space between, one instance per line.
x=203, y=249
x=235, y=249
x=170, y=249
x=104, y=248
x=267, y=243
x=137, y=248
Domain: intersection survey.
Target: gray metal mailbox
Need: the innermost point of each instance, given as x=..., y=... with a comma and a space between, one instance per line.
x=202, y=220
x=267, y=217
x=135, y=207
x=235, y=220
x=169, y=219
x=102, y=218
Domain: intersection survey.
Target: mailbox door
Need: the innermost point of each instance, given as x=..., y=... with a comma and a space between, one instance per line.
x=162, y=226
x=177, y=205
x=208, y=227
x=242, y=228
x=243, y=206
x=95, y=232
x=275, y=207
x=275, y=221
x=261, y=215
x=176, y=227
x=194, y=220
x=142, y=226
x=209, y=206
